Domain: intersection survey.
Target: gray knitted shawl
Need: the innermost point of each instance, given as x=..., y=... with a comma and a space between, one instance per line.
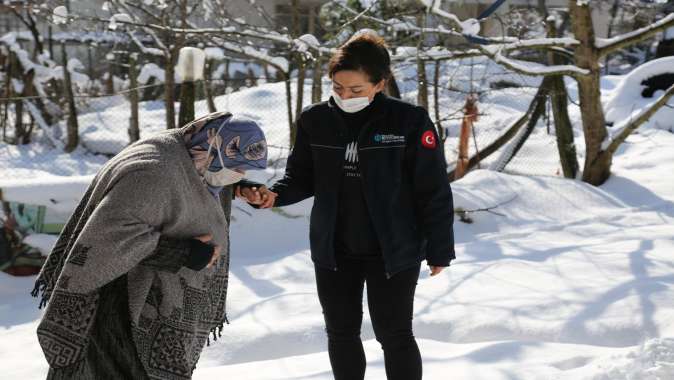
x=131, y=221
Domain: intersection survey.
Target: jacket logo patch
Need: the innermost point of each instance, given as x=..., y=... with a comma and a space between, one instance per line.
x=388, y=139
x=352, y=153
x=428, y=140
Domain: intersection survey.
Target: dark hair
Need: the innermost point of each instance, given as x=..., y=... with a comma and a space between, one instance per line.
x=364, y=52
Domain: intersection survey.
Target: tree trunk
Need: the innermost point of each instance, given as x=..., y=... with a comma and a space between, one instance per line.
x=436, y=102
x=110, y=80
x=289, y=105
x=51, y=42
x=301, y=76
x=73, y=128
x=169, y=92
x=225, y=80
x=317, y=81
x=538, y=109
x=422, y=82
x=392, y=88
x=597, y=167
x=208, y=90
x=566, y=146
x=560, y=110
x=9, y=68
x=134, y=129
x=609, y=33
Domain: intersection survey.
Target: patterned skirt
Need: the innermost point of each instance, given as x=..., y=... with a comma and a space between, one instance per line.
x=111, y=353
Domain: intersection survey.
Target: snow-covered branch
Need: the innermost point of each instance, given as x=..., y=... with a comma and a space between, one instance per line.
x=609, y=45
x=401, y=25
x=279, y=63
x=530, y=68
x=620, y=133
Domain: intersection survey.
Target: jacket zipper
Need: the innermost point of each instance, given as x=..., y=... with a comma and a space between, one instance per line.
x=362, y=183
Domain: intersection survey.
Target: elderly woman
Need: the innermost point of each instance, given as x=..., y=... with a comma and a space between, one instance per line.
x=138, y=278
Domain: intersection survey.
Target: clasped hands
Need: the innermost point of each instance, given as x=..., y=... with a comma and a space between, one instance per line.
x=258, y=196
x=265, y=198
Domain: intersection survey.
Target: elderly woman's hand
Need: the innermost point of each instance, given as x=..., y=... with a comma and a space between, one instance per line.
x=216, y=249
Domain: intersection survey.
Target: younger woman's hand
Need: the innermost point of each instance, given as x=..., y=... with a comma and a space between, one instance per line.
x=435, y=270
x=262, y=196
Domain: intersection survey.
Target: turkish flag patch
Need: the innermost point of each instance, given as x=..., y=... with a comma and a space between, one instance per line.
x=428, y=140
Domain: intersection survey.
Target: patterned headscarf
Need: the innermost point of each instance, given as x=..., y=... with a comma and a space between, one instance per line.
x=241, y=142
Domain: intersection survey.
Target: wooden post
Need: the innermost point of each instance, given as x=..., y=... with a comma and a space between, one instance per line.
x=208, y=90
x=169, y=90
x=134, y=125
x=436, y=101
x=187, y=96
x=110, y=80
x=73, y=128
x=289, y=108
x=469, y=116
x=301, y=76
x=317, y=81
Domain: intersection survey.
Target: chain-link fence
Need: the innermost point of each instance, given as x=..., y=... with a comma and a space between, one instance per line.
x=503, y=97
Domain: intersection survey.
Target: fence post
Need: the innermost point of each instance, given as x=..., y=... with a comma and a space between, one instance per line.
x=134, y=128
x=190, y=68
x=470, y=114
x=207, y=86
x=73, y=128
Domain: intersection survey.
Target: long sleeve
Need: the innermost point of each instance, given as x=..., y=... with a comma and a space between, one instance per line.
x=298, y=181
x=432, y=191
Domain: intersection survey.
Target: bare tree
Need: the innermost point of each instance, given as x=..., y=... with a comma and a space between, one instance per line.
x=588, y=51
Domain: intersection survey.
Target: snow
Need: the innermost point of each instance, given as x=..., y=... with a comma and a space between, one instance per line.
x=43, y=242
x=190, y=66
x=626, y=101
x=119, y=17
x=60, y=15
x=569, y=282
x=306, y=41
x=470, y=26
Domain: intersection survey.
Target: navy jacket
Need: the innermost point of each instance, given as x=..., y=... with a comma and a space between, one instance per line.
x=404, y=180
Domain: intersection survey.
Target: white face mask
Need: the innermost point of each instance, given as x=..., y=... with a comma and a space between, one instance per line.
x=352, y=105
x=224, y=176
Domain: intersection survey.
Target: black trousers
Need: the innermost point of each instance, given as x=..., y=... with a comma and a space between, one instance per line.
x=391, y=305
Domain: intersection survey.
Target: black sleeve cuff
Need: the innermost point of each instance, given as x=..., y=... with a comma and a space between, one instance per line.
x=200, y=254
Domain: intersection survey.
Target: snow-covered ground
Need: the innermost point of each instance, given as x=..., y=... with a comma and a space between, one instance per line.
x=567, y=281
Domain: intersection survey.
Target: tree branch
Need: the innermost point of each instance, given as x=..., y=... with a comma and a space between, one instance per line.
x=531, y=68
x=621, y=134
x=607, y=46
